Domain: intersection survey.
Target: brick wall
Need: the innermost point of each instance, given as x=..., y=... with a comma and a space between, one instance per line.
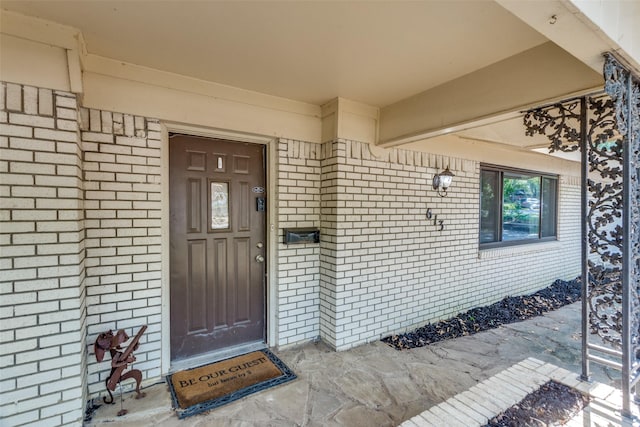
x=298, y=265
x=42, y=238
x=385, y=268
x=79, y=249
x=122, y=202
x=80, y=246
x=333, y=157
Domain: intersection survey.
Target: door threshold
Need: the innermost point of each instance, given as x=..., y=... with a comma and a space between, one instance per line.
x=215, y=356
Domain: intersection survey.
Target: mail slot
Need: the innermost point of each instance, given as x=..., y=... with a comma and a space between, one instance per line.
x=294, y=236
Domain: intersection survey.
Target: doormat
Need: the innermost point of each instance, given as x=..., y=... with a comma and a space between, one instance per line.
x=201, y=389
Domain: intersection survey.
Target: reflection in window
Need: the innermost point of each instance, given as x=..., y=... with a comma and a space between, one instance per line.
x=516, y=206
x=489, y=206
x=219, y=205
x=520, y=207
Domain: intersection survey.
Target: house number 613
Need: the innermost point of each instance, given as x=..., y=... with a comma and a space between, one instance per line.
x=437, y=222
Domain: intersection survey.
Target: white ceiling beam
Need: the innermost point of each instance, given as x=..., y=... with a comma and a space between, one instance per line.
x=585, y=28
x=38, y=30
x=521, y=82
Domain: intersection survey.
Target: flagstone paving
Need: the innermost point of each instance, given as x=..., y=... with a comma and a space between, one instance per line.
x=376, y=385
x=476, y=406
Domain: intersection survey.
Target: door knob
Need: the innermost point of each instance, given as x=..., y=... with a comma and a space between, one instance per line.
x=259, y=258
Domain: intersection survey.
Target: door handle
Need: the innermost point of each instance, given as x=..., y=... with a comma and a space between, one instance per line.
x=259, y=258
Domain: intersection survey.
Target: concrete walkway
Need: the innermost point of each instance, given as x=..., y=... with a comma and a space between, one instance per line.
x=375, y=385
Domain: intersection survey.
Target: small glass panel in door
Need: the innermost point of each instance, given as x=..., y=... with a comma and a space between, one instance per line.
x=219, y=205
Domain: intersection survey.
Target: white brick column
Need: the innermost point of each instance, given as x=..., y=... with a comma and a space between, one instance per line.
x=42, y=289
x=122, y=201
x=331, y=230
x=298, y=265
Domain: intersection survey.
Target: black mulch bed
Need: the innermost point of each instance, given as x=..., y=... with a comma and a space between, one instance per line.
x=553, y=403
x=508, y=310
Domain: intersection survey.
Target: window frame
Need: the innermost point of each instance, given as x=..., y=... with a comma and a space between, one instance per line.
x=501, y=170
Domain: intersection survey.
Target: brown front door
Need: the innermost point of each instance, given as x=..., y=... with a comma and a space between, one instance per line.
x=217, y=206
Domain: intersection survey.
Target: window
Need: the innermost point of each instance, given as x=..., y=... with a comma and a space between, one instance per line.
x=516, y=206
x=219, y=206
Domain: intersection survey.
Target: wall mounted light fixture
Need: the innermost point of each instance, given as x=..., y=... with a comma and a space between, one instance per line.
x=442, y=181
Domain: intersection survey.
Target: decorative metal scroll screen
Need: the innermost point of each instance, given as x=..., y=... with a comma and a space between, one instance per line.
x=606, y=129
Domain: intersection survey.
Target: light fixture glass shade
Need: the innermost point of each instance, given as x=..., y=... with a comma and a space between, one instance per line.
x=442, y=181
x=446, y=177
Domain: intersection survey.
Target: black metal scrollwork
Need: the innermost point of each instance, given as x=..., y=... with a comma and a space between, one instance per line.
x=624, y=90
x=561, y=124
x=558, y=123
x=611, y=126
x=604, y=221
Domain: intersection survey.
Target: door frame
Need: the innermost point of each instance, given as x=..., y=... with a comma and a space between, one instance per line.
x=271, y=227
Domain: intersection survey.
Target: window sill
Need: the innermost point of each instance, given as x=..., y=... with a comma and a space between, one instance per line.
x=526, y=248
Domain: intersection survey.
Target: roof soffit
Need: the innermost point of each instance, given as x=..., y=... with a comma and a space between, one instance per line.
x=372, y=52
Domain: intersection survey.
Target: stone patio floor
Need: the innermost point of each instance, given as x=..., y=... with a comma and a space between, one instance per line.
x=376, y=385
x=479, y=404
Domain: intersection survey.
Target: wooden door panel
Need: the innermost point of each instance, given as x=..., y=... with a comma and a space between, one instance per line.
x=244, y=214
x=220, y=284
x=194, y=205
x=217, y=283
x=197, y=160
x=242, y=279
x=197, y=286
x=241, y=164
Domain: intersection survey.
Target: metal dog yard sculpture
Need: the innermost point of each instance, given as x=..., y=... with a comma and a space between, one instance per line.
x=120, y=360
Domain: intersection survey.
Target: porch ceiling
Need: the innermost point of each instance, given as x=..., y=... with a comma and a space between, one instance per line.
x=419, y=62
x=376, y=53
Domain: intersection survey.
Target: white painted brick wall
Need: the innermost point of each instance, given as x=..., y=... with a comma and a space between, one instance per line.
x=42, y=295
x=122, y=202
x=416, y=273
x=298, y=265
x=378, y=269
x=50, y=312
x=385, y=268
x=331, y=232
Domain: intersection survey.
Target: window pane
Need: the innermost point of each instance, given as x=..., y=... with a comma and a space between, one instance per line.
x=549, y=206
x=489, y=206
x=520, y=207
x=219, y=205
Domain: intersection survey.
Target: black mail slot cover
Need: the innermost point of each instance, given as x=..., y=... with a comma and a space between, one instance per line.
x=301, y=235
